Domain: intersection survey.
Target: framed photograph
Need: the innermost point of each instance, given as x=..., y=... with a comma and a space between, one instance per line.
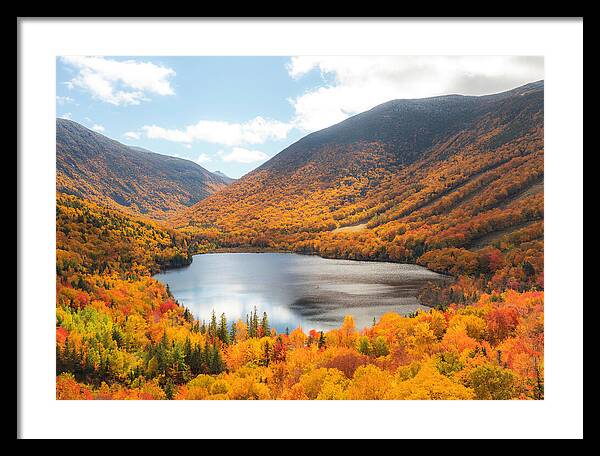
x=356, y=234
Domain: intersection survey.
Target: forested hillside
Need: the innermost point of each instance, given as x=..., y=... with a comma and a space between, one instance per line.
x=453, y=183
x=92, y=166
x=121, y=334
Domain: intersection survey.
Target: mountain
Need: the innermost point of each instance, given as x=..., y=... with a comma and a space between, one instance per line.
x=92, y=166
x=225, y=177
x=409, y=180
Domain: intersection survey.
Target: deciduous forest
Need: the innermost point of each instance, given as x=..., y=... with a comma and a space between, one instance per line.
x=460, y=192
x=122, y=335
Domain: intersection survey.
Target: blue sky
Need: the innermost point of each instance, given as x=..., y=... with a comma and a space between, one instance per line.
x=234, y=113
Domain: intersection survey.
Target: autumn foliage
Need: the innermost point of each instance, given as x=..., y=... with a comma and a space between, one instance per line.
x=470, y=205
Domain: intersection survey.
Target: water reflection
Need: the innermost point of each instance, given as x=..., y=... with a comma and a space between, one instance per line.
x=310, y=291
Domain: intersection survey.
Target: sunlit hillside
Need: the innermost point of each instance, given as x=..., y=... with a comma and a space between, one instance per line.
x=453, y=183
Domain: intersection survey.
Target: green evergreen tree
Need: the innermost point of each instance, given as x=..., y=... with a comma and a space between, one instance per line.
x=255, y=323
x=222, y=332
x=321, y=343
x=233, y=333
x=264, y=325
x=212, y=327
x=217, y=365
x=187, y=350
x=180, y=371
x=169, y=389
x=193, y=363
x=207, y=357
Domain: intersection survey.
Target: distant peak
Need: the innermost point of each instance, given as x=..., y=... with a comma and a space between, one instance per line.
x=222, y=174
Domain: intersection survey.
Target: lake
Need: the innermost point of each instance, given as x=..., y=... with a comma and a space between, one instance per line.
x=306, y=290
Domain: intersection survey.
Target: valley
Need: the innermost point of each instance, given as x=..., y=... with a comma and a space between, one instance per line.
x=358, y=193
x=452, y=184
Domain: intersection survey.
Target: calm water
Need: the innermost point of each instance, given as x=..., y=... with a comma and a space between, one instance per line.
x=310, y=291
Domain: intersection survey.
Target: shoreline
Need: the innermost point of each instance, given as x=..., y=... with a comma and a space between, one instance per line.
x=446, y=278
x=249, y=249
x=442, y=279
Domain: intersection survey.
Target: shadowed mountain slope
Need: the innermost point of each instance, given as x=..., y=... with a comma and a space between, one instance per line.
x=92, y=166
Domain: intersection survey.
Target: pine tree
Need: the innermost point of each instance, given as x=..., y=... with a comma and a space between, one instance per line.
x=321, y=343
x=216, y=361
x=197, y=360
x=223, y=334
x=207, y=357
x=264, y=325
x=255, y=323
x=187, y=350
x=212, y=327
x=233, y=333
x=180, y=369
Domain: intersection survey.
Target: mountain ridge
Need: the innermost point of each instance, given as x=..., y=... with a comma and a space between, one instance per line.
x=423, y=180
x=466, y=101
x=93, y=166
x=224, y=176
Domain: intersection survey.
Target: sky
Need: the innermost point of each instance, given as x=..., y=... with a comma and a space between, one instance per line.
x=234, y=113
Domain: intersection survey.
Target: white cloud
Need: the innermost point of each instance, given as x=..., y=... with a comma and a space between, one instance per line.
x=203, y=158
x=64, y=100
x=356, y=84
x=119, y=82
x=98, y=128
x=131, y=135
x=241, y=155
x=66, y=115
x=255, y=131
